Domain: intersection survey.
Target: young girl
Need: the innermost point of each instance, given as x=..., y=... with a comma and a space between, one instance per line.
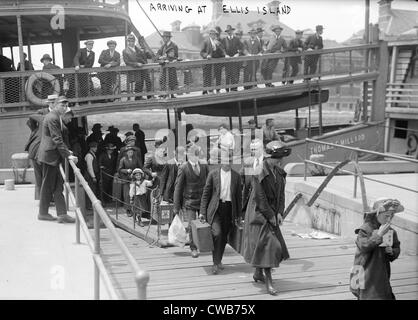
x=138, y=192
x=377, y=246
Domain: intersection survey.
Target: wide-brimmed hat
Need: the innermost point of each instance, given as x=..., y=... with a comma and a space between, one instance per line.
x=277, y=149
x=259, y=29
x=111, y=42
x=276, y=27
x=46, y=56
x=96, y=126
x=130, y=139
x=319, y=27
x=110, y=146
x=112, y=128
x=88, y=42
x=229, y=28
x=386, y=204
x=252, y=31
x=167, y=34
x=137, y=170
x=129, y=133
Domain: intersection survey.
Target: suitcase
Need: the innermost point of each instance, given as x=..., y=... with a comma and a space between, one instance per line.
x=235, y=237
x=202, y=235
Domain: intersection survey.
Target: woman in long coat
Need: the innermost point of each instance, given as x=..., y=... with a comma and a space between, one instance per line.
x=263, y=246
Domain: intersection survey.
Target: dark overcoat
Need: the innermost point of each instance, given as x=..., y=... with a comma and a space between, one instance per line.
x=212, y=192
x=374, y=263
x=263, y=244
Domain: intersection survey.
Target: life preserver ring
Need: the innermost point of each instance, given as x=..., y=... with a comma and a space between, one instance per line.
x=412, y=144
x=30, y=95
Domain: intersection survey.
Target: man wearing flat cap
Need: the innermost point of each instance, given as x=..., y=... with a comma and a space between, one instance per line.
x=295, y=45
x=52, y=151
x=313, y=42
x=135, y=56
x=212, y=48
x=169, y=52
x=84, y=58
x=108, y=59
x=276, y=44
x=252, y=47
x=233, y=46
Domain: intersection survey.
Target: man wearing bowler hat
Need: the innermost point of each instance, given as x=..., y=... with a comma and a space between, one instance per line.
x=212, y=49
x=233, y=47
x=169, y=52
x=52, y=151
x=295, y=45
x=276, y=44
x=108, y=59
x=84, y=58
x=47, y=88
x=313, y=42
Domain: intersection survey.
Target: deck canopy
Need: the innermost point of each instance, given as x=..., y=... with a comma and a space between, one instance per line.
x=93, y=20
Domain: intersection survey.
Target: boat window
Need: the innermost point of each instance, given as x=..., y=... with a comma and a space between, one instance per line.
x=400, y=133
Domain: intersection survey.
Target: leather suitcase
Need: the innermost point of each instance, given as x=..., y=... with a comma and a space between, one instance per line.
x=202, y=235
x=235, y=237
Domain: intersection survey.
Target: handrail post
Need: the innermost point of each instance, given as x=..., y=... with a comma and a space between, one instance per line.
x=306, y=157
x=141, y=279
x=96, y=251
x=355, y=175
x=77, y=201
x=67, y=175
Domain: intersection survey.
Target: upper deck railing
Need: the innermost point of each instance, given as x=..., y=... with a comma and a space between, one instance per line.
x=169, y=80
x=402, y=95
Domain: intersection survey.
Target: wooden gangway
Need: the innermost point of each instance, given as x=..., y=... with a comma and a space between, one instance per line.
x=317, y=269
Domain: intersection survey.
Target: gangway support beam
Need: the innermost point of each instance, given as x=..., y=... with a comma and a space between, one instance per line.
x=291, y=205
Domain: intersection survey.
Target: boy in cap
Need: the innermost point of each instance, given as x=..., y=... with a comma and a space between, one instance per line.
x=276, y=44
x=313, y=42
x=108, y=59
x=136, y=57
x=168, y=52
x=377, y=246
x=212, y=48
x=84, y=58
x=295, y=45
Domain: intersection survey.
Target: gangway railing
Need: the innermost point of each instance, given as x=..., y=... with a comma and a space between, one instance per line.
x=141, y=277
x=161, y=79
x=357, y=173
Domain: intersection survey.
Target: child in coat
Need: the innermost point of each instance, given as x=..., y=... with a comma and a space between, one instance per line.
x=377, y=246
x=141, y=181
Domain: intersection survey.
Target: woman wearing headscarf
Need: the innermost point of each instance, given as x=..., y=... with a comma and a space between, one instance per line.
x=263, y=245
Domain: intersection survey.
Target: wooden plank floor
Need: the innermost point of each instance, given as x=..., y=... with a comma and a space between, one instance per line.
x=317, y=269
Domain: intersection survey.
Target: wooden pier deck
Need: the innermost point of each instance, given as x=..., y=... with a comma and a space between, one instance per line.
x=317, y=269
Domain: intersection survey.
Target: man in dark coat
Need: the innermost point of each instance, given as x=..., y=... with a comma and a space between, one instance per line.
x=263, y=245
x=47, y=88
x=140, y=140
x=97, y=136
x=169, y=52
x=27, y=63
x=51, y=152
x=221, y=206
x=233, y=46
x=295, y=45
x=212, y=48
x=313, y=42
x=107, y=165
x=169, y=174
x=276, y=44
x=84, y=58
x=112, y=137
x=108, y=59
x=252, y=47
x=32, y=146
x=136, y=57
x=191, y=179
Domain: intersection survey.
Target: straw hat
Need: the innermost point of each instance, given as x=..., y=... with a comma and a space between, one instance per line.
x=277, y=149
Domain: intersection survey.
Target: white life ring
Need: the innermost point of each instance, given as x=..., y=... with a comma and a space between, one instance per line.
x=29, y=87
x=412, y=144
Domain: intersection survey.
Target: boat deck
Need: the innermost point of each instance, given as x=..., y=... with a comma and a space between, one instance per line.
x=317, y=269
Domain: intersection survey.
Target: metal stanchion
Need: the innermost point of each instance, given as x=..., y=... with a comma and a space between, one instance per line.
x=96, y=251
x=77, y=201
